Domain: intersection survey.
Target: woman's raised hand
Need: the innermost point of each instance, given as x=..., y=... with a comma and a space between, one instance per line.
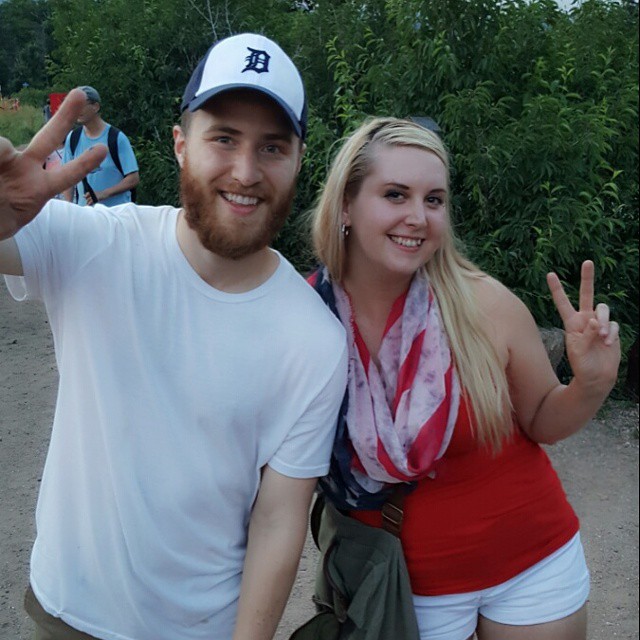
x=591, y=337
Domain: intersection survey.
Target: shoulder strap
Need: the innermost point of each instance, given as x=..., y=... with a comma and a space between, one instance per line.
x=73, y=145
x=393, y=511
x=74, y=139
x=112, y=143
x=316, y=518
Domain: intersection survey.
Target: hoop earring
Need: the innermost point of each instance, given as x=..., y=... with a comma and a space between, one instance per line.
x=344, y=230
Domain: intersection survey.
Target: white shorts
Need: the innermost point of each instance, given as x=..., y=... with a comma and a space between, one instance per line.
x=552, y=589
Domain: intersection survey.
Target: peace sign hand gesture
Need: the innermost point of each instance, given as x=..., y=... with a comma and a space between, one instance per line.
x=591, y=339
x=24, y=184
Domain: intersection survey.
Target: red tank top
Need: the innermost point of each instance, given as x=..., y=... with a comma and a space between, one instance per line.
x=484, y=518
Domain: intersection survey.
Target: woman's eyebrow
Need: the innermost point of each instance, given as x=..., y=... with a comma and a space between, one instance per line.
x=400, y=185
x=393, y=183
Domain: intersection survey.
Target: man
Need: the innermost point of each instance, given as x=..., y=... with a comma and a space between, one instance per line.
x=200, y=376
x=112, y=182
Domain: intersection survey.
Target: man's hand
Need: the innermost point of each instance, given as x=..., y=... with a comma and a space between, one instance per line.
x=129, y=182
x=24, y=184
x=90, y=201
x=91, y=197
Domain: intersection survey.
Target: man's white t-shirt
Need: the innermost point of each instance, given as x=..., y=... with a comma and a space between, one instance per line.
x=173, y=395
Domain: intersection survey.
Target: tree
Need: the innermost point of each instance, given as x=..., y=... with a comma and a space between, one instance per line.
x=539, y=108
x=25, y=41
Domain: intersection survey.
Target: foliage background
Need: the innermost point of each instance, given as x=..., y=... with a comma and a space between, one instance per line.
x=538, y=106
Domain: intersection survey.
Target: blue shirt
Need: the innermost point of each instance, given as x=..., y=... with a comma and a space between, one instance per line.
x=107, y=174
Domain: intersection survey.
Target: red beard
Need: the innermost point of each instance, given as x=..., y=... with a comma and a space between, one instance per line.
x=232, y=239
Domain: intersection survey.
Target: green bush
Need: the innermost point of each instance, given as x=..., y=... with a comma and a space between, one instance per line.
x=159, y=170
x=538, y=106
x=539, y=109
x=33, y=97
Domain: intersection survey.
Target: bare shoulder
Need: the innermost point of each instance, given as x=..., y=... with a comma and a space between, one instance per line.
x=495, y=298
x=496, y=301
x=504, y=317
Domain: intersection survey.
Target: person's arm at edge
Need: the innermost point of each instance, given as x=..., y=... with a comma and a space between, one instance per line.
x=277, y=531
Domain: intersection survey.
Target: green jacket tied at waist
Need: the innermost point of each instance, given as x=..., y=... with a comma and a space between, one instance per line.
x=362, y=585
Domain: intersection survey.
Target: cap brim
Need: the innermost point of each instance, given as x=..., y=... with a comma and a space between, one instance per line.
x=199, y=101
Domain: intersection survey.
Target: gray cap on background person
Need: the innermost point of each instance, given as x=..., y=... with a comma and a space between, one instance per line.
x=91, y=93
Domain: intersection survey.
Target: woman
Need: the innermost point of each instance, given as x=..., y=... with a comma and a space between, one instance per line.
x=451, y=392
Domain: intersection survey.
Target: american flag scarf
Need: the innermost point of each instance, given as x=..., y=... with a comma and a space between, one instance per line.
x=396, y=420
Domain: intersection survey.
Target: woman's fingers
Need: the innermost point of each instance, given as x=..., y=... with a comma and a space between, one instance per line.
x=613, y=335
x=590, y=333
x=600, y=327
x=564, y=306
x=602, y=316
x=586, y=286
x=586, y=296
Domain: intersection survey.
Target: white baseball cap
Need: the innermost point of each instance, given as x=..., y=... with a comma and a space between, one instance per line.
x=249, y=61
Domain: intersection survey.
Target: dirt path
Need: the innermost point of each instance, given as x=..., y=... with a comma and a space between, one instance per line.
x=599, y=468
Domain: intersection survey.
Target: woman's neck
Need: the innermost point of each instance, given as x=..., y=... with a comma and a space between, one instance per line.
x=371, y=303
x=373, y=296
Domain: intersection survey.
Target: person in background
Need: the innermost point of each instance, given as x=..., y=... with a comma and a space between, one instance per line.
x=450, y=396
x=46, y=111
x=54, y=162
x=200, y=376
x=112, y=182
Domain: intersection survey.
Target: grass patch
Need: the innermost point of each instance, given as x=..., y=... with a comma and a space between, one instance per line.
x=20, y=126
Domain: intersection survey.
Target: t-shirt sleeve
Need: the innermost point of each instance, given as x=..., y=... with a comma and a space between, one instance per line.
x=126, y=155
x=306, y=451
x=55, y=245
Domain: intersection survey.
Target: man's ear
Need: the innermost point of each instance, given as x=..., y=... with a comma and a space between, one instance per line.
x=303, y=149
x=179, y=143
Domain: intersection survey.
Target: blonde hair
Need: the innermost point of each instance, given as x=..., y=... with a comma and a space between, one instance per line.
x=481, y=373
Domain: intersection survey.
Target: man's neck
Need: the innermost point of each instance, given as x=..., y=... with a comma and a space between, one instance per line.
x=225, y=274
x=94, y=127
